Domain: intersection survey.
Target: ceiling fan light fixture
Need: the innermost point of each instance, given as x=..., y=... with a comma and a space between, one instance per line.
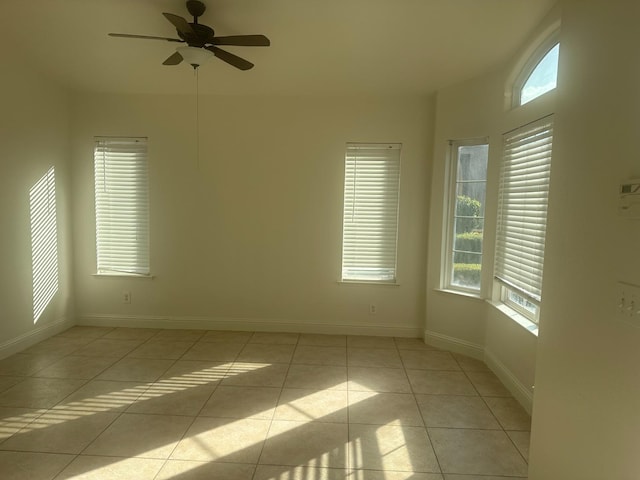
x=195, y=56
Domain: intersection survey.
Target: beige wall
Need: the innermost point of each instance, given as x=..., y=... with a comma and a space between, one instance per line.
x=34, y=136
x=477, y=109
x=586, y=424
x=585, y=361
x=465, y=111
x=248, y=233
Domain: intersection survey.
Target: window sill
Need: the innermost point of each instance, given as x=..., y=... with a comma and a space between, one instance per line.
x=368, y=282
x=122, y=275
x=461, y=293
x=520, y=319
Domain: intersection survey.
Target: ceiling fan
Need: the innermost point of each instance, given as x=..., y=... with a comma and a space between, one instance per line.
x=202, y=43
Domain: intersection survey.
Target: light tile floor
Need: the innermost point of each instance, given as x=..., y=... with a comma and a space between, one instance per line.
x=116, y=403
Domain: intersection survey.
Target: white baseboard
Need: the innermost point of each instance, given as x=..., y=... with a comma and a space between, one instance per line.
x=246, y=324
x=453, y=344
x=523, y=394
x=34, y=336
x=510, y=381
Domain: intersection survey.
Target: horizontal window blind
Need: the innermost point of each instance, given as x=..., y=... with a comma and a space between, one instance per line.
x=122, y=206
x=522, y=208
x=370, y=217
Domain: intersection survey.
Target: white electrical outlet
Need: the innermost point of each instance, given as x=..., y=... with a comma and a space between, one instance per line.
x=628, y=303
x=372, y=309
x=126, y=297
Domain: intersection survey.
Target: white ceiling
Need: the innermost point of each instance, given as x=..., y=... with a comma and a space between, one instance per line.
x=317, y=46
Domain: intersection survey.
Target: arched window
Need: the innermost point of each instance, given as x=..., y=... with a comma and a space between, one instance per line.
x=543, y=78
x=537, y=73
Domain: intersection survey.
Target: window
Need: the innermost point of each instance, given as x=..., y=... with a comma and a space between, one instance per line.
x=542, y=78
x=522, y=216
x=44, y=242
x=370, y=217
x=122, y=206
x=466, y=218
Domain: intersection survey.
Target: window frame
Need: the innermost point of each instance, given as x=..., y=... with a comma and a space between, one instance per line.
x=505, y=282
x=357, y=240
x=505, y=297
x=450, y=220
x=132, y=195
x=530, y=65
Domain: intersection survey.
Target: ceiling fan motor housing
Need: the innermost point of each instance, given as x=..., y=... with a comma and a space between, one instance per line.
x=195, y=8
x=201, y=36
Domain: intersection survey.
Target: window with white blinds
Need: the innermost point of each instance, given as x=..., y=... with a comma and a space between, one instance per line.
x=522, y=213
x=370, y=217
x=122, y=206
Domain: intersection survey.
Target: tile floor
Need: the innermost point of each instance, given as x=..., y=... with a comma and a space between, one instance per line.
x=116, y=403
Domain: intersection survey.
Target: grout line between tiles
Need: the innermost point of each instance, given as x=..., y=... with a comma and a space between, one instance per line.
x=349, y=394
x=273, y=414
x=484, y=401
x=195, y=417
x=426, y=430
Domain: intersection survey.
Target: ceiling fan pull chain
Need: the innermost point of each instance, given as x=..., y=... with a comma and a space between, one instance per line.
x=195, y=72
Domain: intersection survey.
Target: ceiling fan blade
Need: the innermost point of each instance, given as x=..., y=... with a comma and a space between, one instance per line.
x=180, y=23
x=146, y=37
x=231, y=59
x=243, y=40
x=174, y=59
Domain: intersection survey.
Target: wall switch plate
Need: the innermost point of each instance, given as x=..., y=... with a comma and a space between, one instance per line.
x=629, y=206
